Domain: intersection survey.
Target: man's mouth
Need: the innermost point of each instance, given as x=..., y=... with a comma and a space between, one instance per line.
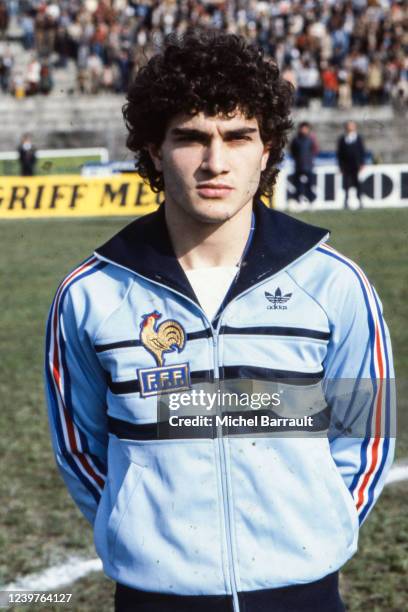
x=214, y=190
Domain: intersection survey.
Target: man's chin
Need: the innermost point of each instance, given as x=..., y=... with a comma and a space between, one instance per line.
x=212, y=217
x=214, y=211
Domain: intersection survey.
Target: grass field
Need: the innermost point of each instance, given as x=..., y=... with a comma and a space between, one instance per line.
x=39, y=525
x=49, y=165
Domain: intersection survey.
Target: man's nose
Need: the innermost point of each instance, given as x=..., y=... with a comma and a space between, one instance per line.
x=214, y=158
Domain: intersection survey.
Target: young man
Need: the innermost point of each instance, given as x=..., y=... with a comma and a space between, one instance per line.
x=216, y=289
x=27, y=156
x=304, y=149
x=350, y=156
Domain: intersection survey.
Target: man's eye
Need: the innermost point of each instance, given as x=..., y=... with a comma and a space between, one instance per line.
x=239, y=138
x=189, y=139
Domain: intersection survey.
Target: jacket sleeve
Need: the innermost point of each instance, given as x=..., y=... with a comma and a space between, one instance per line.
x=339, y=153
x=359, y=388
x=316, y=147
x=76, y=391
x=362, y=151
x=292, y=148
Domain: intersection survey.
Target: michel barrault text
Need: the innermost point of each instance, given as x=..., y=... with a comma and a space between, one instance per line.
x=239, y=421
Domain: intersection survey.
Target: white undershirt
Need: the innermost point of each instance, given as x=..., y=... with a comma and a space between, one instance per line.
x=211, y=285
x=351, y=137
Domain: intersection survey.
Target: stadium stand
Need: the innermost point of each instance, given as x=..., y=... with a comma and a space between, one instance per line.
x=340, y=52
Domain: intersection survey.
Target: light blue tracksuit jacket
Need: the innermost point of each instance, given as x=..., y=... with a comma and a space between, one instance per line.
x=220, y=514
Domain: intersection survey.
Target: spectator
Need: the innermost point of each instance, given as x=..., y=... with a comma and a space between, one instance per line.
x=95, y=72
x=308, y=80
x=27, y=156
x=124, y=67
x=400, y=96
x=6, y=65
x=344, y=78
x=330, y=85
x=375, y=82
x=4, y=18
x=304, y=149
x=46, y=81
x=62, y=47
x=359, y=66
x=27, y=25
x=33, y=76
x=350, y=157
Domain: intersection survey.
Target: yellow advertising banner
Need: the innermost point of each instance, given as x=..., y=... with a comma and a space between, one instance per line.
x=75, y=196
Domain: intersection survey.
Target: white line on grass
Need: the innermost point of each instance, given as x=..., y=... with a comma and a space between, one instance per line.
x=75, y=568
x=54, y=577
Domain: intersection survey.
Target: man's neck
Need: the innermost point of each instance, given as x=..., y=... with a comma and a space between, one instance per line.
x=205, y=245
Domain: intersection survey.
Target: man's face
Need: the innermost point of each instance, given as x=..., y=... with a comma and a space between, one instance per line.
x=305, y=130
x=350, y=127
x=211, y=165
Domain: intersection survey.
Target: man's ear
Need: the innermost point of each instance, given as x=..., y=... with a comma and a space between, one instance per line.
x=155, y=154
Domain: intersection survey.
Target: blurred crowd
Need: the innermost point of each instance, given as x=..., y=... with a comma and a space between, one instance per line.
x=340, y=52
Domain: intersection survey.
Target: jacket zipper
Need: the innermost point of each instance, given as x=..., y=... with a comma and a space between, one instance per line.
x=226, y=502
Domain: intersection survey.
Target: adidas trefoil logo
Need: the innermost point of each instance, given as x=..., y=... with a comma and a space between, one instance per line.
x=277, y=300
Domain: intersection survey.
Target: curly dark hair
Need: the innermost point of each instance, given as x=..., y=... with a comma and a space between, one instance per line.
x=211, y=72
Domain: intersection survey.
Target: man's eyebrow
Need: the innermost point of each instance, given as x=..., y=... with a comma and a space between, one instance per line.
x=195, y=132
x=188, y=132
x=240, y=131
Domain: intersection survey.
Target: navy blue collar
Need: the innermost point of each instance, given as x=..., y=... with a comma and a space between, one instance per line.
x=144, y=246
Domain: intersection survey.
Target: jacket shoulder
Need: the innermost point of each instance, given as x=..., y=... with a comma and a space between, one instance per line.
x=333, y=279
x=91, y=291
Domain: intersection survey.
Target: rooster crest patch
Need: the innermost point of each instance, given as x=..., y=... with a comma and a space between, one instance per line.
x=158, y=339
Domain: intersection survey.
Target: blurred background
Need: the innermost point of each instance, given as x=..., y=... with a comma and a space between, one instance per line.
x=65, y=66
x=64, y=71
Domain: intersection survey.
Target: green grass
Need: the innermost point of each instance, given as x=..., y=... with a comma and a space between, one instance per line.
x=49, y=165
x=39, y=525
